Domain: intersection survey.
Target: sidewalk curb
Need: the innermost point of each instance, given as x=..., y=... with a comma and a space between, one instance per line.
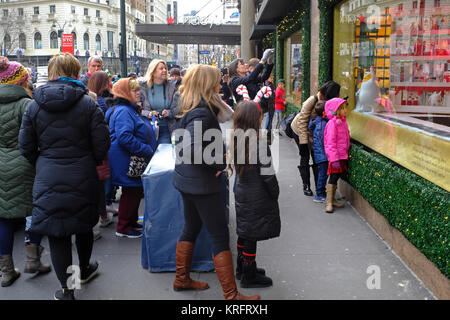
x=423, y=268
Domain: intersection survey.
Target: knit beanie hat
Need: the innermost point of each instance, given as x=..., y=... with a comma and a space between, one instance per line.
x=121, y=89
x=12, y=72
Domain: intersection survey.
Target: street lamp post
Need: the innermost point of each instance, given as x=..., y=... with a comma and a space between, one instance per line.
x=123, y=40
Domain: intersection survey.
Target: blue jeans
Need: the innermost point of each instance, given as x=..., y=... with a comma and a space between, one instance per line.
x=7, y=227
x=109, y=191
x=322, y=179
x=278, y=118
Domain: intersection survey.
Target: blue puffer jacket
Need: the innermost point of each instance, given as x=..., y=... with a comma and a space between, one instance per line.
x=317, y=127
x=131, y=134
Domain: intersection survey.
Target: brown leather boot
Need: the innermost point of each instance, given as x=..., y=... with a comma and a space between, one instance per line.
x=330, y=197
x=183, y=260
x=223, y=262
x=335, y=202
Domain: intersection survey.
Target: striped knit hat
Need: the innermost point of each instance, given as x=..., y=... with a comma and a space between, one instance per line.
x=12, y=72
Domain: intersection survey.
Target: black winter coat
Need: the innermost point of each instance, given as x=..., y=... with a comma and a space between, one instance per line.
x=65, y=135
x=193, y=177
x=256, y=202
x=253, y=82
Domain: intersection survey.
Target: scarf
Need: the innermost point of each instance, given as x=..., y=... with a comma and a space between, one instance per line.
x=71, y=80
x=121, y=89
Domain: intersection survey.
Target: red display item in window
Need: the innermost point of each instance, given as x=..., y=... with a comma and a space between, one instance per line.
x=447, y=76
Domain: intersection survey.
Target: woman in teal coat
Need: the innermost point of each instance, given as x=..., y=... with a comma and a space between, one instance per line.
x=16, y=174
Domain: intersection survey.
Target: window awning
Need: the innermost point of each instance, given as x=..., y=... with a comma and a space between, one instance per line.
x=190, y=34
x=273, y=11
x=259, y=32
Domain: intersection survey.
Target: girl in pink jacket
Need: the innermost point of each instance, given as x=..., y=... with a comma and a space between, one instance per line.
x=337, y=144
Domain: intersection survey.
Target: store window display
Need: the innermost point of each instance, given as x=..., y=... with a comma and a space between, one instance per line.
x=399, y=53
x=392, y=59
x=293, y=68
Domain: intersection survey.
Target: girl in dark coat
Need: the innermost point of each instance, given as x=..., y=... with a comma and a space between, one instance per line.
x=317, y=127
x=256, y=193
x=64, y=134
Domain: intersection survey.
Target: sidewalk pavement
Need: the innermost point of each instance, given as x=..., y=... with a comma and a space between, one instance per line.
x=317, y=256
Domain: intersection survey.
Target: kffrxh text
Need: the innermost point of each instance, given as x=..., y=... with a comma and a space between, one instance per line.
x=232, y=309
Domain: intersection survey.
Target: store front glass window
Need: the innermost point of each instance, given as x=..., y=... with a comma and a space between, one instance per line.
x=392, y=59
x=293, y=68
x=399, y=52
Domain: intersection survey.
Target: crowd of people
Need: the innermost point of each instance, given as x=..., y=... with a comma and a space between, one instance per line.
x=69, y=144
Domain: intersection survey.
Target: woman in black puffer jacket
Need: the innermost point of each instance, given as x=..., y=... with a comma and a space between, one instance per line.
x=256, y=193
x=65, y=135
x=197, y=177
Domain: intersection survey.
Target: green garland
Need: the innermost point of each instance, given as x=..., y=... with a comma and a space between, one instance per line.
x=419, y=209
x=306, y=54
x=326, y=9
x=268, y=41
x=297, y=19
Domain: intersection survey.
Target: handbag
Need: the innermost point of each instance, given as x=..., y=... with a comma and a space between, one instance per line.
x=137, y=166
x=286, y=124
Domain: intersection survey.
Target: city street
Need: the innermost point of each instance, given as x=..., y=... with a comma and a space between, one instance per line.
x=317, y=256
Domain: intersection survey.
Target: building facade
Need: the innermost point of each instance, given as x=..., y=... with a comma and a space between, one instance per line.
x=158, y=11
x=34, y=28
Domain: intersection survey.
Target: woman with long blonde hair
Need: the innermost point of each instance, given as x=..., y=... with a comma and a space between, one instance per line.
x=159, y=95
x=200, y=184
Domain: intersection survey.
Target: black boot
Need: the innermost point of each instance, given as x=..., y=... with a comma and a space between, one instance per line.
x=253, y=279
x=240, y=262
x=304, y=174
x=307, y=190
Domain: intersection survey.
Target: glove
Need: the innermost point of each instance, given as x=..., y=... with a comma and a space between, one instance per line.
x=271, y=58
x=336, y=165
x=266, y=55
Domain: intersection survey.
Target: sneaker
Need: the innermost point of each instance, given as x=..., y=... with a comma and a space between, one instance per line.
x=132, y=234
x=89, y=272
x=137, y=226
x=319, y=199
x=64, y=294
x=106, y=221
x=112, y=209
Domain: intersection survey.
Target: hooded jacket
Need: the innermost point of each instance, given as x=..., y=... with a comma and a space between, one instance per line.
x=336, y=135
x=16, y=173
x=317, y=127
x=64, y=134
x=131, y=135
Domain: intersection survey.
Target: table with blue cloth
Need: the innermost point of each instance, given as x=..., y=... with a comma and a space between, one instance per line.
x=164, y=217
